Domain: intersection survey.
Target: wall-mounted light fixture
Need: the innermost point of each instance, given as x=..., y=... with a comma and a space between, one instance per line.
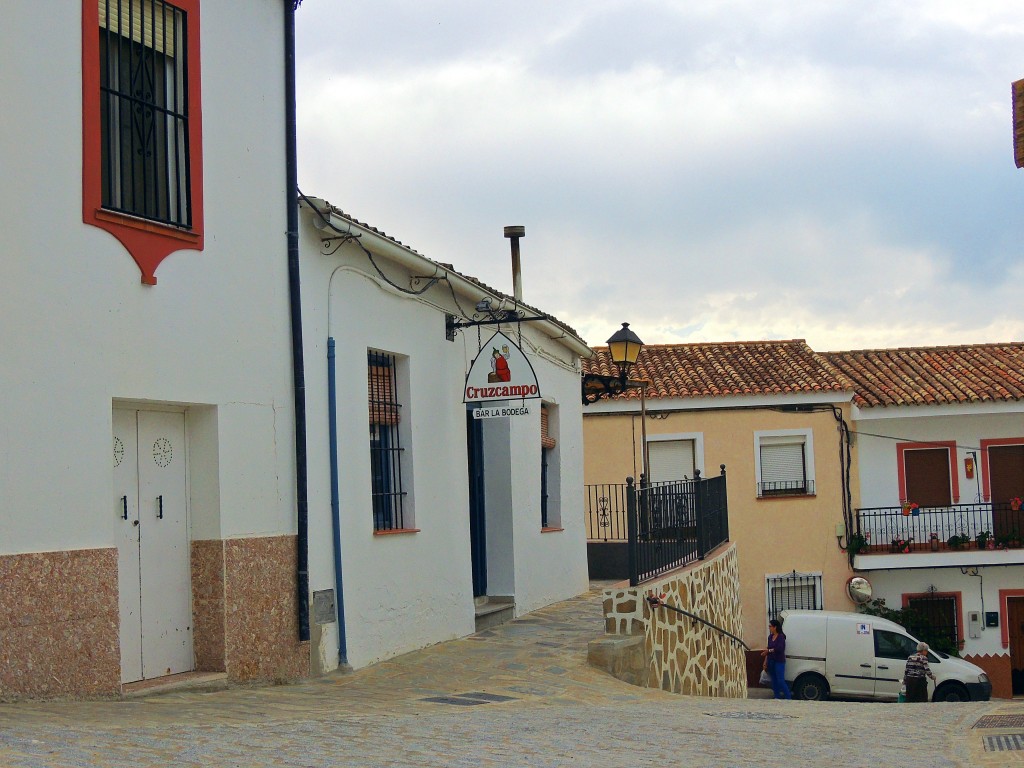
x=624, y=347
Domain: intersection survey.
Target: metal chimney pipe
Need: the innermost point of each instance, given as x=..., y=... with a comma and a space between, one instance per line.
x=513, y=233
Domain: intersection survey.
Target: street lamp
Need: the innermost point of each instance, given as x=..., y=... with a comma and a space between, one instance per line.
x=624, y=347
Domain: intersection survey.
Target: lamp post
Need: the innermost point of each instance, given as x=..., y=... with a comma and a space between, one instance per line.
x=624, y=347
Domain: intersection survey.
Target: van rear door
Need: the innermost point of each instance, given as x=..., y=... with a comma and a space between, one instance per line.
x=850, y=657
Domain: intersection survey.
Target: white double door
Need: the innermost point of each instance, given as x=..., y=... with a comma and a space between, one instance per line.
x=154, y=580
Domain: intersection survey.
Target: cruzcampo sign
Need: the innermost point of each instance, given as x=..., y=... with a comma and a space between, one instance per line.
x=500, y=372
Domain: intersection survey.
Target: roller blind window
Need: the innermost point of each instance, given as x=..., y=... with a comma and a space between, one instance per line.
x=783, y=467
x=670, y=460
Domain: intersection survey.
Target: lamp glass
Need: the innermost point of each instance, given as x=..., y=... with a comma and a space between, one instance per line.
x=624, y=347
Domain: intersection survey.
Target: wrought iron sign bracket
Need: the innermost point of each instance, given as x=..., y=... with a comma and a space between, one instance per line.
x=330, y=245
x=500, y=317
x=595, y=386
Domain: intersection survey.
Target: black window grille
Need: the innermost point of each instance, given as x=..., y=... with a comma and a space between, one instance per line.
x=786, y=488
x=544, y=487
x=144, y=110
x=933, y=618
x=387, y=493
x=793, y=591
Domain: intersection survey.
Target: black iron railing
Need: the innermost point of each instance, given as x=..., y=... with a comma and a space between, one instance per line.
x=931, y=529
x=786, y=488
x=606, y=512
x=658, y=601
x=673, y=524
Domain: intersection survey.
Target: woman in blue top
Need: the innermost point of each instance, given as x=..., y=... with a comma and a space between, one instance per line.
x=775, y=659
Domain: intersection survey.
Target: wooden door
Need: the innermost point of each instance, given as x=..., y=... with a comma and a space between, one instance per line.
x=154, y=582
x=477, y=504
x=126, y=520
x=1015, y=629
x=165, y=579
x=1006, y=475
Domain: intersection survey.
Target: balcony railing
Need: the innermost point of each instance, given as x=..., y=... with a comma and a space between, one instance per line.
x=606, y=512
x=785, y=488
x=940, y=528
x=666, y=525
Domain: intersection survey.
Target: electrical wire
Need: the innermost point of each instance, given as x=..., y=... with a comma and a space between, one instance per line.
x=431, y=282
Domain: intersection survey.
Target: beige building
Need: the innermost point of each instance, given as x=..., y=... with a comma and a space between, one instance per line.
x=776, y=415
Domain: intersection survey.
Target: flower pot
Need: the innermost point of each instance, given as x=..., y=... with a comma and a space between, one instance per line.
x=915, y=512
x=935, y=545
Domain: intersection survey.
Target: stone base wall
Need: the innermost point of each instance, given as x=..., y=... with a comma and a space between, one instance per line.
x=244, y=609
x=261, y=630
x=60, y=617
x=682, y=655
x=208, y=621
x=59, y=624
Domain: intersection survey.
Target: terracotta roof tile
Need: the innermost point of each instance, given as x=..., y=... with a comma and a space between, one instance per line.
x=934, y=375
x=727, y=369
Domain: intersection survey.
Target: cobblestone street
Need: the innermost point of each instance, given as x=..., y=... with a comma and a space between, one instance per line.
x=517, y=695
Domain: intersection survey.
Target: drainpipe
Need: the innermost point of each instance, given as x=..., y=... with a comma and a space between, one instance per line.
x=332, y=428
x=295, y=302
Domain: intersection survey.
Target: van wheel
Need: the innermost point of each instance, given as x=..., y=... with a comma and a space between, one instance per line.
x=811, y=687
x=951, y=692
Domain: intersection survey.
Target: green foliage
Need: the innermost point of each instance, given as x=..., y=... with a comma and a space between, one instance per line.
x=1010, y=540
x=877, y=607
x=914, y=622
x=958, y=541
x=858, y=543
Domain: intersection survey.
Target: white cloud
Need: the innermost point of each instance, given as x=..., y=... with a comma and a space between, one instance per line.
x=757, y=170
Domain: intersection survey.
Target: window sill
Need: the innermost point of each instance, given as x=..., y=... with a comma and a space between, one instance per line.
x=789, y=496
x=551, y=530
x=145, y=225
x=395, y=531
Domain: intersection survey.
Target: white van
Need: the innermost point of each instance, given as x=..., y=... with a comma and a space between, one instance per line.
x=853, y=654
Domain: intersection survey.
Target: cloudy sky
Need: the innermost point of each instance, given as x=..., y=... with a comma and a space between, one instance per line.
x=835, y=171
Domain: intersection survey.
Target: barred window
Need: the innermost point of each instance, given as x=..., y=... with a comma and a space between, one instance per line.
x=792, y=591
x=550, y=515
x=144, y=110
x=934, y=618
x=386, y=457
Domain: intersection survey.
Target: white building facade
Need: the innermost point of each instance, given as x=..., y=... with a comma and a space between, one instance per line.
x=940, y=449
x=167, y=505
x=147, y=526
x=434, y=517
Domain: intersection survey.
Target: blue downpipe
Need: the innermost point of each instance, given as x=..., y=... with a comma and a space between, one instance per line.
x=332, y=415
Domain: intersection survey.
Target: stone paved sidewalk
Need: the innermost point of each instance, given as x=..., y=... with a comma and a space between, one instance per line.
x=518, y=695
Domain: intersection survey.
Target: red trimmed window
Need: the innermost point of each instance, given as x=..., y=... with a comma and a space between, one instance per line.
x=936, y=618
x=141, y=126
x=1002, y=462
x=927, y=473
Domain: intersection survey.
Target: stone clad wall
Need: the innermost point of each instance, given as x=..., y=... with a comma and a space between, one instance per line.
x=59, y=624
x=681, y=655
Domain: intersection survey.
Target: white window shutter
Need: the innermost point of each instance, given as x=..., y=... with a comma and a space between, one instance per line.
x=670, y=460
x=782, y=463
